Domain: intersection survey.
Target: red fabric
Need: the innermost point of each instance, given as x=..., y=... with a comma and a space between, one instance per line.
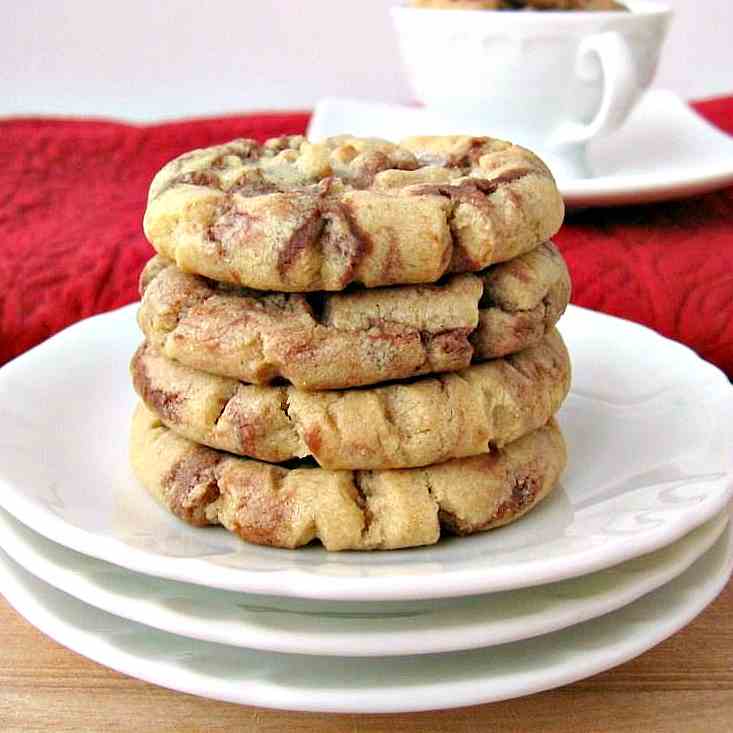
x=72, y=196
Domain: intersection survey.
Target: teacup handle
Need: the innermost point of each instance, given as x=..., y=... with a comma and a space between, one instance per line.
x=620, y=86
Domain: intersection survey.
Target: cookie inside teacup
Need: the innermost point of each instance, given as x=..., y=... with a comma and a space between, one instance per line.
x=598, y=5
x=553, y=81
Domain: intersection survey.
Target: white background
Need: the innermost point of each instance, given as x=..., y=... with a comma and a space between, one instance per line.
x=142, y=59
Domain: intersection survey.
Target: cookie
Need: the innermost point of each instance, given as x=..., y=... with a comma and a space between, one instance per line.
x=321, y=342
x=566, y=5
x=459, y=4
x=340, y=340
x=345, y=510
x=294, y=216
x=400, y=425
x=518, y=4
x=522, y=301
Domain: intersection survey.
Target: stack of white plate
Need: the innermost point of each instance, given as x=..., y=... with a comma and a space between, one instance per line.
x=631, y=547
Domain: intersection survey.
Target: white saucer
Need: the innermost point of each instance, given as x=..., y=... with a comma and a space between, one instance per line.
x=664, y=151
x=348, y=629
x=374, y=685
x=649, y=427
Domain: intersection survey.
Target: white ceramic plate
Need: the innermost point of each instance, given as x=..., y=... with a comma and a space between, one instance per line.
x=375, y=685
x=664, y=151
x=350, y=629
x=649, y=427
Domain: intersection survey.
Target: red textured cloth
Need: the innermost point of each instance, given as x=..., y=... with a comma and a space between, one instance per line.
x=72, y=197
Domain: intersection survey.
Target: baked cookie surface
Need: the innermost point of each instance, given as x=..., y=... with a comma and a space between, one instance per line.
x=416, y=423
x=522, y=301
x=345, y=510
x=294, y=216
x=340, y=340
x=604, y=5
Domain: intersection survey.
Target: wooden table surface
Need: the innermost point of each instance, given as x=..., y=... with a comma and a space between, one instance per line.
x=685, y=684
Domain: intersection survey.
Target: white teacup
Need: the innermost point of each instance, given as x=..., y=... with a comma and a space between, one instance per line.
x=551, y=81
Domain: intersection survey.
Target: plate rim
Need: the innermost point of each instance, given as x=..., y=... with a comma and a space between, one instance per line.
x=299, y=584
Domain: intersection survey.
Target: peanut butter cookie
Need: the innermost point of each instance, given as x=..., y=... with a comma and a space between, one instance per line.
x=459, y=4
x=345, y=510
x=518, y=4
x=522, y=301
x=417, y=423
x=340, y=340
x=295, y=216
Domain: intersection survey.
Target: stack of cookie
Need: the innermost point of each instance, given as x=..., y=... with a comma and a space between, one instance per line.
x=352, y=341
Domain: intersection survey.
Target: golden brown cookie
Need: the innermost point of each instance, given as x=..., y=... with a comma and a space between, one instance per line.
x=522, y=301
x=295, y=216
x=345, y=510
x=339, y=340
x=567, y=5
x=316, y=342
x=428, y=420
x=518, y=4
x=458, y=4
